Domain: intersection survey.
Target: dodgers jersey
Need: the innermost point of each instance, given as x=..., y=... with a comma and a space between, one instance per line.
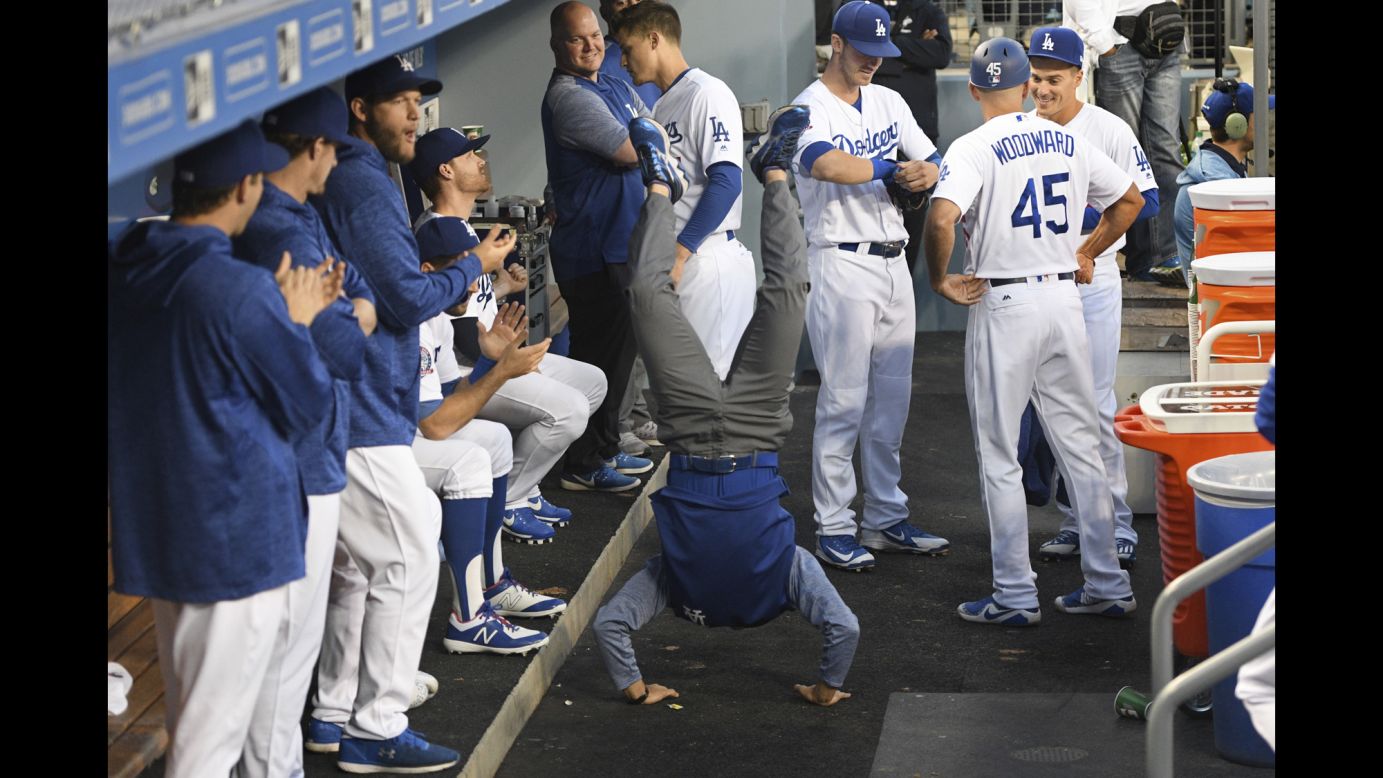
x=1112, y=136
x=482, y=304
x=1022, y=184
x=436, y=362
x=856, y=213
x=702, y=119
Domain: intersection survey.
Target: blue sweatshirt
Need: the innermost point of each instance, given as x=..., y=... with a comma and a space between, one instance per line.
x=364, y=213
x=281, y=224
x=208, y=382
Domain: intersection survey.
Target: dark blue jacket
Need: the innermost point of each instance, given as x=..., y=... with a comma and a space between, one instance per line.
x=281, y=224
x=208, y=382
x=365, y=216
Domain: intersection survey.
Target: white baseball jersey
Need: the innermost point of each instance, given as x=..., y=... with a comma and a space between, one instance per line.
x=1022, y=183
x=702, y=119
x=858, y=213
x=482, y=304
x=437, y=362
x=1115, y=138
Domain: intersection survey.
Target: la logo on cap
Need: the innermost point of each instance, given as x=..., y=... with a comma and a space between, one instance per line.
x=403, y=63
x=1047, y=43
x=879, y=29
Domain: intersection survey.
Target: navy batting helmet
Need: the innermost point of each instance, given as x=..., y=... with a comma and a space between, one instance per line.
x=999, y=63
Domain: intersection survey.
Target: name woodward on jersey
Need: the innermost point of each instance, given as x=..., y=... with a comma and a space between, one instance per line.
x=1025, y=144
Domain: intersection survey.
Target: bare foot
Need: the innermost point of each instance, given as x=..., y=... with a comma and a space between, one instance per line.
x=821, y=694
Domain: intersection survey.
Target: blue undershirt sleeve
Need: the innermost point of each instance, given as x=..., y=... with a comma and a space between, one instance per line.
x=724, y=183
x=1150, y=206
x=812, y=153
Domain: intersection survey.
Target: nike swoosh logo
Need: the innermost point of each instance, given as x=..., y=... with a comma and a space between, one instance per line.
x=837, y=555
x=991, y=614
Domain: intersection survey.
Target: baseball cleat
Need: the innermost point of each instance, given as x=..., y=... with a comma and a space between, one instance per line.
x=843, y=552
x=629, y=464
x=986, y=611
x=1066, y=545
x=520, y=526
x=655, y=161
x=776, y=147
x=405, y=753
x=904, y=537
x=1080, y=603
x=490, y=633
x=547, y=512
x=323, y=737
x=604, y=479
x=512, y=599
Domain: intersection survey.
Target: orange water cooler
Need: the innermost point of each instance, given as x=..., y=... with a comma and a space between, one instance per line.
x=1237, y=287
x=1234, y=215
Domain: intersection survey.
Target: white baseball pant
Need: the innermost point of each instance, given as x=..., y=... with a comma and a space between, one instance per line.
x=546, y=411
x=275, y=743
x=1102, y=303
x=717, y=296
x=1027, y=340
x=862, y=322
x=214, y=657
x=386, y=558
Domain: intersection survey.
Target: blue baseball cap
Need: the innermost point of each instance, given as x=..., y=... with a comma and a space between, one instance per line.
x=1058, y=43
x=441, y=145
x=320, y=113
x=389, y=76
x=999, y=63
x=229, y=157
x=865, y=26
x=1219, y=105
x=444, y=236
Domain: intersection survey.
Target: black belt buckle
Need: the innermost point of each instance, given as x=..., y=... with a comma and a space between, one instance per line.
x=891, y=249
x=723, y=464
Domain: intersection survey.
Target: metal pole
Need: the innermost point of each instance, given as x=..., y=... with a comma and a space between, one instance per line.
x=1190, y=582
x=1260, y=96
x=1160, y=711
x=1218, y=41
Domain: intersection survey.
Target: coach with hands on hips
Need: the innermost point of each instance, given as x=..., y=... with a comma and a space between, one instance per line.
x=861, y=316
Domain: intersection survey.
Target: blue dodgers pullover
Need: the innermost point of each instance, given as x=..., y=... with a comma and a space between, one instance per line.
x=365, y=217
x=281, y=224
x=208, y=382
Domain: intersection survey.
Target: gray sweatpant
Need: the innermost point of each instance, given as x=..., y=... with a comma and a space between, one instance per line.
x=698, y=414
x=809, y=591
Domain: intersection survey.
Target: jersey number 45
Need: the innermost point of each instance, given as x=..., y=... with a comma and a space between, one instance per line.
x=1027, y=212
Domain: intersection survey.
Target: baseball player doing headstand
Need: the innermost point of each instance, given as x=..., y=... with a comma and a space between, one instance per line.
x=1021, y=183
x=728, y=553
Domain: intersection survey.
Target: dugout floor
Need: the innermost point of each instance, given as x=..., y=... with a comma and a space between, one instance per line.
x=919, y=672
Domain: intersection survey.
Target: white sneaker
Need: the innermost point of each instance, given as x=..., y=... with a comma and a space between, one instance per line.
x=424, y=688
x=648, y=433
x=629, y=443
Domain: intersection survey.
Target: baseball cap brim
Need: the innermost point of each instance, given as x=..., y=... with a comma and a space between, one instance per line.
x=883, y=48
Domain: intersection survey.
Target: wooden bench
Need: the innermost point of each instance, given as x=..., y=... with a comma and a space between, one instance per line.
x=137, y=737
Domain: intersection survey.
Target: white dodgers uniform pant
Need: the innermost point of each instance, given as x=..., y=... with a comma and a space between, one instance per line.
x=862, y=322
x=1102, y=302
x=546, y=411
x=1027, y=340
x=384, y=581
x=717, y=296
x=214, y=658
x=464, y=467
x=275, y=744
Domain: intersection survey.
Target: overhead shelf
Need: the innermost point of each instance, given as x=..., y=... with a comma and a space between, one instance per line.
x=182, y=71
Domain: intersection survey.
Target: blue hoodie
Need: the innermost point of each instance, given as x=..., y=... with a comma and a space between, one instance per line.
x=364, y=213
x=281, y=224
x=208, y=382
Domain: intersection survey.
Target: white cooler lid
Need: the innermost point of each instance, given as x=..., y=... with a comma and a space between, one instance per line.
x=1251, y=476
x=1203, y=406
x=1245, y=268
x=1236, y=194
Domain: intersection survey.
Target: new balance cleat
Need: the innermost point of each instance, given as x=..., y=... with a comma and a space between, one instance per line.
x=520, y=526
x=904, y=537
x=986, y=611
x=490, y=633
x=512, y=599
x=655, y=161
x=547, y=512
x=323, y=737
x=604, y=479
x=842, y=551
x=629, y=465
x=1066, y=545
x=407, y=753
x=776, y=147
x=1080, y=603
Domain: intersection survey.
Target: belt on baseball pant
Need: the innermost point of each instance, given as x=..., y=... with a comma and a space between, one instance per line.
x=721, y=465
x=1033, y=279
x=887, y=250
